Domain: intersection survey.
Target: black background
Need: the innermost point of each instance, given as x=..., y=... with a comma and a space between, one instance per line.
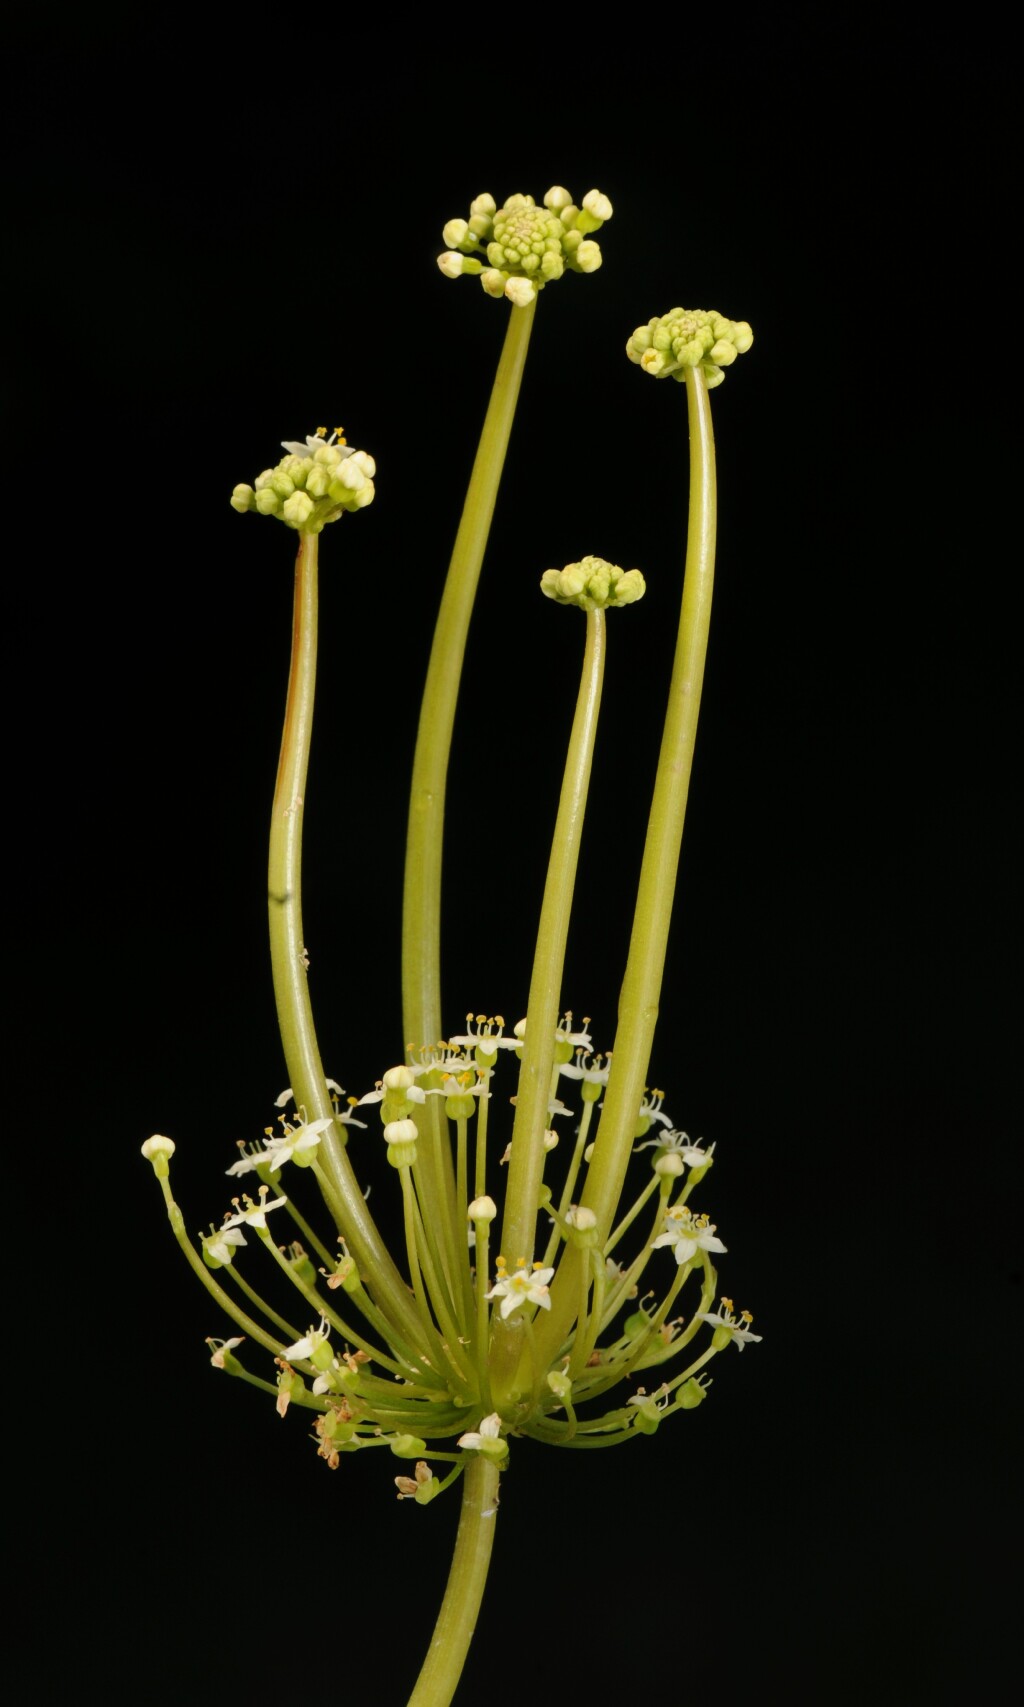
x=216, y=249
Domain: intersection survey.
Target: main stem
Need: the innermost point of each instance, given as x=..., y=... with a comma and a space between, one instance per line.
x=456, y=1621
x=421, y=918
x=645, y=966
x=288, y=954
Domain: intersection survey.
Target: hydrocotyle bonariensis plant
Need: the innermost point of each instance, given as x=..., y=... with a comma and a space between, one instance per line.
x=566, y=1325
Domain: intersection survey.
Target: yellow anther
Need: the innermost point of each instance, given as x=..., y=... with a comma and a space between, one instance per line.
x=339, y=433
x=746, y=1316
x=538, y=1265
x=321, y=432
x=728, y=1304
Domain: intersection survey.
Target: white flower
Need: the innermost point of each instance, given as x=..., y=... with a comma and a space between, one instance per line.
x=297, y=1140
x=219, y=1245
x=480, y=1034
x=731, y=1324
x=255, y=1214
x=396, y=1079
x=220, y=1347
x=526, y=1286
x=650, y=1109
x=315, y=441
x=489, y=1430
x=678, y=1144
x=687, y=1233
x=306, y=1347
x=563, y=1032
x=592, y=1069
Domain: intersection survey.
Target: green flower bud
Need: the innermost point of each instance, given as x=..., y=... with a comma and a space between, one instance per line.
x=407, y=1446
x=691, y=1394
x=559, y=1383
x=593, y=584
x=243, y=498
x=400, y=1136
x=297, y=509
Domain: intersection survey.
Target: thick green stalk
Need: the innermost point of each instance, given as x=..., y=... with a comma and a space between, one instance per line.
x=456, y=1622
x=641, y=985
x=421, y=917
x=288, y=954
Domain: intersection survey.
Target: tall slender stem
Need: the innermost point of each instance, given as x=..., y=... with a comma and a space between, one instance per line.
x=641, y=984
x=421, y=919
x=442, y=1668
x=288, y=954
x=526, y=1163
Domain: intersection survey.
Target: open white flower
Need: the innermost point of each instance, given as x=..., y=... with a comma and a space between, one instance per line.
x=306, y=1347
x=678, y=1144
x=687, y=1234
x=728, y=1326
x=525, y=1286
x=254, y=1214
x=316, y=441
x=650, y=1109
x=592, y=1069
x=476, y=1440
x=480, y=1033
x=220, y=1245
x=296, y=1141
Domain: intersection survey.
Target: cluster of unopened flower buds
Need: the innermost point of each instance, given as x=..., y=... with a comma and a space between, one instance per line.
x=686, y=338
x=593, y=584
x=314, y=484
x=525, y=246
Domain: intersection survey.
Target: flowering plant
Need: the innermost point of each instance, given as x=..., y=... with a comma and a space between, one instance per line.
x=468, y=1338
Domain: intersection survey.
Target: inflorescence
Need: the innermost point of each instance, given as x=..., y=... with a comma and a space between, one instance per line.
x=525, y=246
x=314, y=484
x=428, y=1395
x=686, y=338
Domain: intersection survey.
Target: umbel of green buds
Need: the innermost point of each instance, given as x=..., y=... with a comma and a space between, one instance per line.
x=314, y=484
x=689, y=337
x=525, y=246
x=593, y=584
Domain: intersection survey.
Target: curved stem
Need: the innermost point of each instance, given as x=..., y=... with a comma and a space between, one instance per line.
x=288, y=954
x=442, y=1668
x=641, y=984
x=421, y=917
